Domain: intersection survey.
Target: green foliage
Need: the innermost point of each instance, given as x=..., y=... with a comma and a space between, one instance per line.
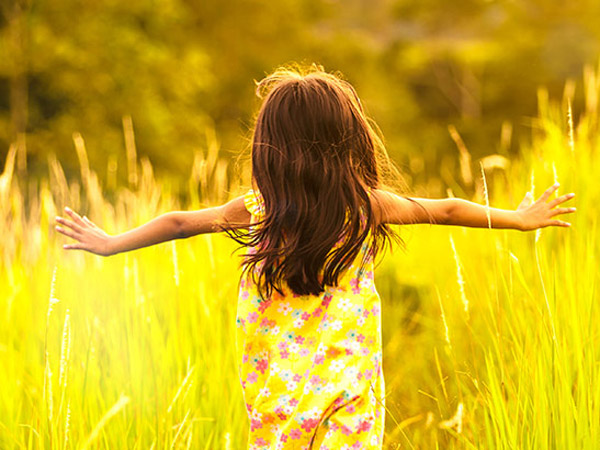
x=178, y=67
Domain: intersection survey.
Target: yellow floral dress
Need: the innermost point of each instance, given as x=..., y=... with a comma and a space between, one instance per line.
x=310, y=366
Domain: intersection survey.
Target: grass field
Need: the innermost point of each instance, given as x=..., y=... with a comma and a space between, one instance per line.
x=491, y=338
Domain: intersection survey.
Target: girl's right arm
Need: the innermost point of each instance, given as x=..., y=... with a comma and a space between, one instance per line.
x=530, y=215
x=168, y=226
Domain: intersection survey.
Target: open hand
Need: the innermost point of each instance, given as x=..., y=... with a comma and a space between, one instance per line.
x=540, y=213
x=90, y=237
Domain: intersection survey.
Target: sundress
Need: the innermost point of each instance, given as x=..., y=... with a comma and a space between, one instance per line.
x=310, y=366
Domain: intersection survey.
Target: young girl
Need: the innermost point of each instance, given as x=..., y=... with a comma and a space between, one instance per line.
x=309, y=327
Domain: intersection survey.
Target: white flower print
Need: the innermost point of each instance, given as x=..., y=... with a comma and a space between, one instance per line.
x=286, y=375
x=294, y=347
x=291, y=385
x=336, y=325
x=298, y=323
x=265, y=392
x=337, y=365
x=314, y=413
x=285, y=308
x=329, y=388
x=345, y=304
x=351, y=372
x=274, y=368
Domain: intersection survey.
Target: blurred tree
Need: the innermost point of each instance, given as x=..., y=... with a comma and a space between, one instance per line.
x=180, y=67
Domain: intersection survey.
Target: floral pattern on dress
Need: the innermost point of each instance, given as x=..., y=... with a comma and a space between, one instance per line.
x=310, y=366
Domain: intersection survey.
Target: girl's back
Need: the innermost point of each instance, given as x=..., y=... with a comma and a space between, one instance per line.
x=310, y=365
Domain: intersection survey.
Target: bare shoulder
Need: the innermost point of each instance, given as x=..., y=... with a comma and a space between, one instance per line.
x=395, y=209
x=235, y=211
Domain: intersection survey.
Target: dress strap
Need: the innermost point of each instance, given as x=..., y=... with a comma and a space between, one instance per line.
x=254, y=203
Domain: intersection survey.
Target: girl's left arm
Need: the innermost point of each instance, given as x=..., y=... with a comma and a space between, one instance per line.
x=168, y=226
x=529, y=215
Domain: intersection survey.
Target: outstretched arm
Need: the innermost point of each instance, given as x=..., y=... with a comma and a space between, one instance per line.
x=168, y=226
x=529, y=215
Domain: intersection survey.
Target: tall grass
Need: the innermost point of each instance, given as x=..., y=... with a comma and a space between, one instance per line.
x=490, y=337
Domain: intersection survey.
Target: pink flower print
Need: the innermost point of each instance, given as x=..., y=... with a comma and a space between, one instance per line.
x=299, y=339
x=360, y=338
x=284, y=354
x=295, y=433
x=245, y=358
x=304, y=352
x=294, y=402
x=252, y=377
x=261, y=441
x=305, y=316
x=317, y=312
x=346, y=430
x=245, y=295
x=357, y=446
x=355, y=286
x=282, y=345
x=315, y=379
x=255, y=424
x=364, y=351
x=365, y=313
x=376, y=310
x=319, y=359
x=284, y=437
x=309, y=424
x=262, y=365
x=350, y=408
x=297, y=378
x=364, y=425
x=253, y=317
x=326, y=300
x=264, y=305
x=368, y=374
x=349, y=352
x=264, y=322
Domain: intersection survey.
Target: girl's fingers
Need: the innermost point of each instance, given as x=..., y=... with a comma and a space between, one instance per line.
x=77, y=246
x=548, y=192
x=559, y=223
x=561, y=199
x=558, y=211
x=69, y=224
x=68, y=233
x=74, y=216
x=90, y=223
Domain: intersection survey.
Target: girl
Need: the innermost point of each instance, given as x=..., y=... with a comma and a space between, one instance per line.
x=309, y=335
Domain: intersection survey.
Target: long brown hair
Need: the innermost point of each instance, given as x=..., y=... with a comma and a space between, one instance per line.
x=315, y=155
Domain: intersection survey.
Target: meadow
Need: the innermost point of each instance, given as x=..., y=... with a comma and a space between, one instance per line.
x=491, y=337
